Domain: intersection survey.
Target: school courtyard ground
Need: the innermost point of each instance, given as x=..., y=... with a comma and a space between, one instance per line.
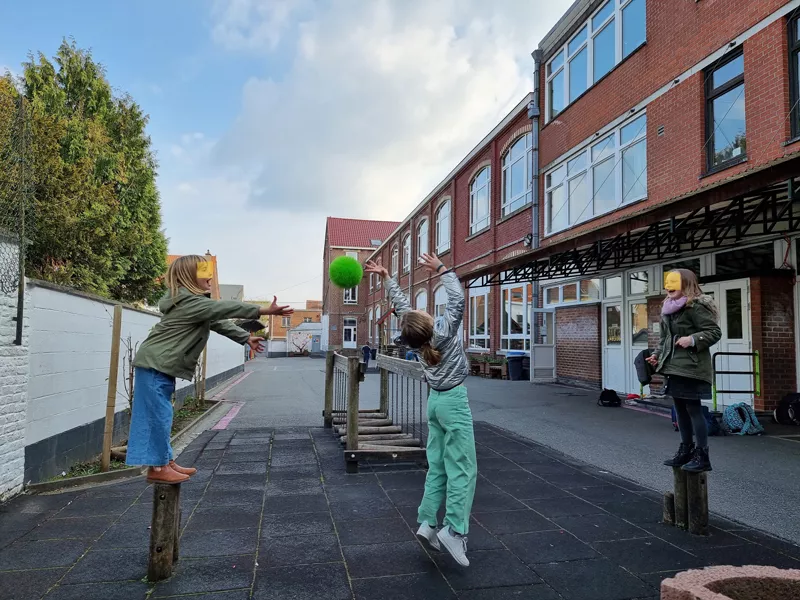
x=568, y=506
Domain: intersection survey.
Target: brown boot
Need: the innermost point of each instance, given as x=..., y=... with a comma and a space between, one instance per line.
x=165, y=475
x=182, y=470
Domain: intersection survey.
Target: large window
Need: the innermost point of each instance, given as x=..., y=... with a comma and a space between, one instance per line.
x=351, y=295
x=794, y=73
x=599, y=179
x=479, y=318
x=479, y=201
x=421, y=301
x=726, y=139
x=407, y=253
x=443, y=228
x=586, y=290
x=422, y=238
x=395, y=260
x=369, y=321
x=515, y=328
x=516, y=175
x=609, y=35
x=377, y=327
x=439, y=301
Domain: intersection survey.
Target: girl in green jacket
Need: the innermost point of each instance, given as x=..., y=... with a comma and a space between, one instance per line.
x=171, y=351
x=689, y=327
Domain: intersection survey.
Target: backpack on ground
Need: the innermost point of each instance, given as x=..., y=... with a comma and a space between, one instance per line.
x=609, y=398
x=788, y=410
x=741, y=419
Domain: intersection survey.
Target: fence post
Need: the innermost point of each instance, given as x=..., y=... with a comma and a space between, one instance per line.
x=353, y=373
x=113, y=370
x=327, y=413
x=384, y=405
x=164, y=530
x=681, y=499
x=697, y=497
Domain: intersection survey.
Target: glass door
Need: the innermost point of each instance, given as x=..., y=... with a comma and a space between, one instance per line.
x=613, y=354
x=543, y=350
x=637, y=340
x=349, y=333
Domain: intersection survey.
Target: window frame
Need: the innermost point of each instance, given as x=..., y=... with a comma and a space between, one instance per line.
x=477, y=225
x=591, y=31
x=579, y=290
x=350, y=296
x=427, y=245
x=443, y=246
x=286, y=322
x=712, y=94
x=509, y=337
x=436, y=313
x=308, y=320
x=407, y=250
x=793, y=39
x=587, y=171
x=472, y=306
x=369, y=324
x=527, y=158
x=416, y=300
x=395, y=260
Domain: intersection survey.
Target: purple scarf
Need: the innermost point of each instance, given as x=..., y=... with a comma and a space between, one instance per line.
x=671, y=306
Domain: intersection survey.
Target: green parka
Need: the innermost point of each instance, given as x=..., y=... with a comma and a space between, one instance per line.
x=698, y=319
x=176, y=342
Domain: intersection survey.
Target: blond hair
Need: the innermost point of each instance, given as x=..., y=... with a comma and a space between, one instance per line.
x=183, y=274
x=690, y=288
x=418, y=332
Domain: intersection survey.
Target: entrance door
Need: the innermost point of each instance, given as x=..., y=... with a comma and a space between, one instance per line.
x=349, y=333
x=636, y=339
x=613, y=353
x=543, y=348
x=733, y=301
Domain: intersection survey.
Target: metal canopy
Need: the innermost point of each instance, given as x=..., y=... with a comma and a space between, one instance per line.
x=770, y=213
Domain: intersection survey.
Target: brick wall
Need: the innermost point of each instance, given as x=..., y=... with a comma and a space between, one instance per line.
x=278, y=331
x=772, y=310
x=13, y=398
x=579, y=356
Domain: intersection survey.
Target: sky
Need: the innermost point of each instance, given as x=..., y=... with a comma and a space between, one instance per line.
x=267, y=116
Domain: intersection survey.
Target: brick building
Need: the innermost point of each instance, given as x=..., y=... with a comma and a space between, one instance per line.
x=668, y=136
x=278, y=326
x=479, y=215
x=344, y=323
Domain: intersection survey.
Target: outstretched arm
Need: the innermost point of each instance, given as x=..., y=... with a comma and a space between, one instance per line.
x=230, y=331
x=397, y=297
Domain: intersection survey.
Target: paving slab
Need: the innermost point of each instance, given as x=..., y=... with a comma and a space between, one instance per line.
x=125, y=590
x=420, y=586
x=597, y=579
x=307, y=582
x=103, y=565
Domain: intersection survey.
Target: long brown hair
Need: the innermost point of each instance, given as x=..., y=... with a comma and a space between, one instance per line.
x=183, y=274
x=690, y=288
x=417, y=331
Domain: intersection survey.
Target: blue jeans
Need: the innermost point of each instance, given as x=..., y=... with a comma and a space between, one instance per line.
x=151, y=421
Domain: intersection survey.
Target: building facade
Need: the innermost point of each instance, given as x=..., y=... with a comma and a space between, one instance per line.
x=668, y=138
x=344, y=323
x=279, y=326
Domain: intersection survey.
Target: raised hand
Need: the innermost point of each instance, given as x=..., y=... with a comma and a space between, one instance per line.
x=373, y=267
x=275, y=309
x=431, y=262
x=256, y=344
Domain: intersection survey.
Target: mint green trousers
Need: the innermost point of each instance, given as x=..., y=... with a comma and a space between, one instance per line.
x=452, y=465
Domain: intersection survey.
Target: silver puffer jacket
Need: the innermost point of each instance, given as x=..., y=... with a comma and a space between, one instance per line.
x=454, y=367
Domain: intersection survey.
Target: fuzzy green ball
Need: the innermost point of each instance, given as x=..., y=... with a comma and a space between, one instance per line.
x=345, y=272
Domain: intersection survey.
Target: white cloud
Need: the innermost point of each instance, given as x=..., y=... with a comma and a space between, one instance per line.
x=380, y=101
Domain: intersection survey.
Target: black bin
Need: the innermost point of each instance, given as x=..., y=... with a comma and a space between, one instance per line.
x=515, y=365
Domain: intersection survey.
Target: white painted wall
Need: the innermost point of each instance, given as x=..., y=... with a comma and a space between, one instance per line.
x=70, y=349
x=13, y=385
x=325, y=333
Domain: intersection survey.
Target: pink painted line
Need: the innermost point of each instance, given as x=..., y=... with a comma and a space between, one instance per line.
x=225, y=421
x=649, y=412
x=233, y=384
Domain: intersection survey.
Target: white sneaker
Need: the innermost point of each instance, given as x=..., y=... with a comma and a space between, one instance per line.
x=455, y=544
x=427, y=535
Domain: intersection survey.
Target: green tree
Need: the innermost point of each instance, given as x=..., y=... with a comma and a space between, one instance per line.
x=96, y=206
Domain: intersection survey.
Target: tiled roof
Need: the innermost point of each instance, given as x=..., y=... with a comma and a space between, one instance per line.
x=356, y=233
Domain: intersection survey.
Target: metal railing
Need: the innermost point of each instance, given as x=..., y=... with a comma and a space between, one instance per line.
x=756, y=373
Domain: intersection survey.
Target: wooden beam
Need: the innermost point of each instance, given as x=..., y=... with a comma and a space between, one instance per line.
x=111, y=396
x=164, y=529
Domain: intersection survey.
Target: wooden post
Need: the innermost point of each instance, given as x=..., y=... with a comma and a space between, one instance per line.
x=111, y=397
x=384, y=406
x=164, y=531
x=353, y=373
x=697, y=493
x=203, y=374
x=177, y=537
x=669, y=508
x=681, y=500
x=327, y=413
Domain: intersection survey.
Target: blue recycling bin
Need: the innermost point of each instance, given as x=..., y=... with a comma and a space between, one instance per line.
x=514, y=359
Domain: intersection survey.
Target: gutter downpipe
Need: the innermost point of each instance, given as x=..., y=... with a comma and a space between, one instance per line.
x=534, y=114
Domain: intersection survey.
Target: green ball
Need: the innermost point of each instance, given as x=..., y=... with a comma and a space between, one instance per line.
x=345, y=272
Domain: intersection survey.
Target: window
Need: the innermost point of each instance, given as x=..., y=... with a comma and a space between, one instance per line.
x=613, y=287
x=307, y=320
x=421, y=301
x=286, y=322
x=422, y=238
x=352, y=254
x=794, y=73
x=613, y=325
x=755, y=258
x=351, y=295
x=371, y=280
x=638, y=283
x=516, y=175
x=395, y=257
x=609, y=36
x=639, y=327
x=439, y=301
x=479, y=318
x=599, y=179
x=369, y=324
x=515, y=328
x=377, y=328
x=479, y=201
x=407, y=253
x=443, y=228
x=726, y=139
x=586, y=290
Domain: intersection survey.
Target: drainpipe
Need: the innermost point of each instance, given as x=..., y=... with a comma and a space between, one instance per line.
x=534, y=113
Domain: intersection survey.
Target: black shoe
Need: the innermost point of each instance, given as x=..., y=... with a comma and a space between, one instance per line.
x=699, y=463
x=682, y=456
